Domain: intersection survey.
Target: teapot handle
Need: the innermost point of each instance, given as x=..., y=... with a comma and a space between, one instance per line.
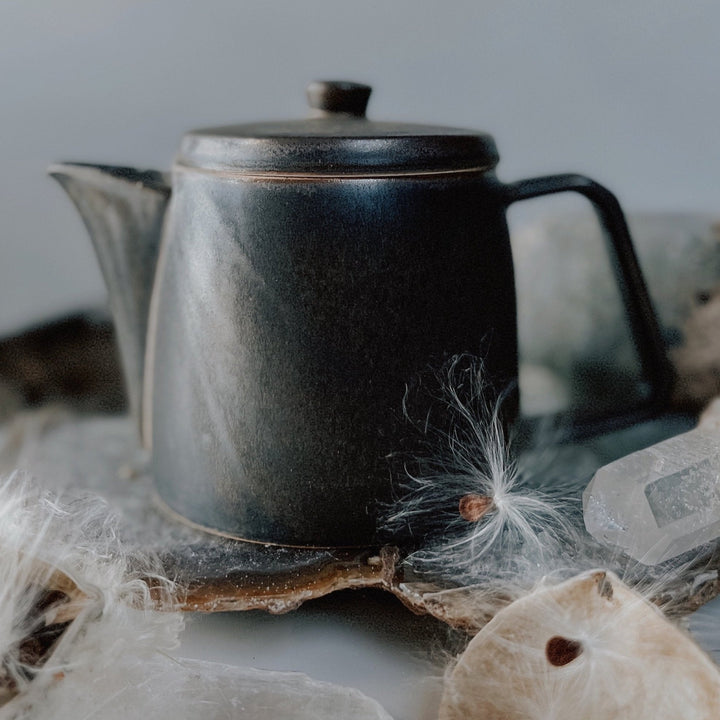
x=647, y=337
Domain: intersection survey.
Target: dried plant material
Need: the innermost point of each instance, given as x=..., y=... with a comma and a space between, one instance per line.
x=561, y=651
x=80, y=635
x=587, y=648
x=47, y=602
x=487, y=517
x=466, y=608
x=533, y=524
x=502, y=523
x=72, y=599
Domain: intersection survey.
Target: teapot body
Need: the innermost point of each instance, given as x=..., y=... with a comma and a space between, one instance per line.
x=289, y=316
x=308, y=272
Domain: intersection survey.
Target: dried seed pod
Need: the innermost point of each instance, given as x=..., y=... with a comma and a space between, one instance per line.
x=588, y=647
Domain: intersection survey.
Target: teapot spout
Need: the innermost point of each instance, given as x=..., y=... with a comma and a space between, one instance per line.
x=123, y=210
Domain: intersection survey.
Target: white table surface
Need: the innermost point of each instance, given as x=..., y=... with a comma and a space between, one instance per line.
x=364, y=639
x=359, y=638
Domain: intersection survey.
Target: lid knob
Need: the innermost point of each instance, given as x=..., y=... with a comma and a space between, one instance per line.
x=338, y=96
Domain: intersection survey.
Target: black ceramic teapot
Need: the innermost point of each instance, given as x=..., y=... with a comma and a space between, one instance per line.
x=275, y=294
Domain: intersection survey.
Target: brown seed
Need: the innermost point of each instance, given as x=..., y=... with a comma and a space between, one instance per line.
x=561, y=651
x=472, y=507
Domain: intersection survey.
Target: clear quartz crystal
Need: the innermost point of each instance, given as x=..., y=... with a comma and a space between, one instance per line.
x=659, y=502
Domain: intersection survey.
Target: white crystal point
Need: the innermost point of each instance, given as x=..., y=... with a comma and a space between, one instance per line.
x=659, y=502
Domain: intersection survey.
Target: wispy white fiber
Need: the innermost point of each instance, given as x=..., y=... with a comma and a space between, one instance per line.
x=72, y=601
x=526, y=528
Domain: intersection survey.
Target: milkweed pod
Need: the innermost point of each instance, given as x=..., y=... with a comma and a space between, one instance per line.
x=588, y=647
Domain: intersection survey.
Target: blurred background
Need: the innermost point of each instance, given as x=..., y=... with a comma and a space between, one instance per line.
x=626, y=92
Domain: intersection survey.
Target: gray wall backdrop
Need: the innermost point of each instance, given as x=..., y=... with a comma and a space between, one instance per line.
x=624, y=90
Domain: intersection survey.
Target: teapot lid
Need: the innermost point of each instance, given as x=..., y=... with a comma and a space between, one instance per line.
x=336, y=140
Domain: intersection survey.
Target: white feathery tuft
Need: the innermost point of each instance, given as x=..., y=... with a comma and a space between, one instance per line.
x=72, y=600
x=472, y=506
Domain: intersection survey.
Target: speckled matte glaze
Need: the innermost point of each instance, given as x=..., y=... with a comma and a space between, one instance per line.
x=307, y=307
